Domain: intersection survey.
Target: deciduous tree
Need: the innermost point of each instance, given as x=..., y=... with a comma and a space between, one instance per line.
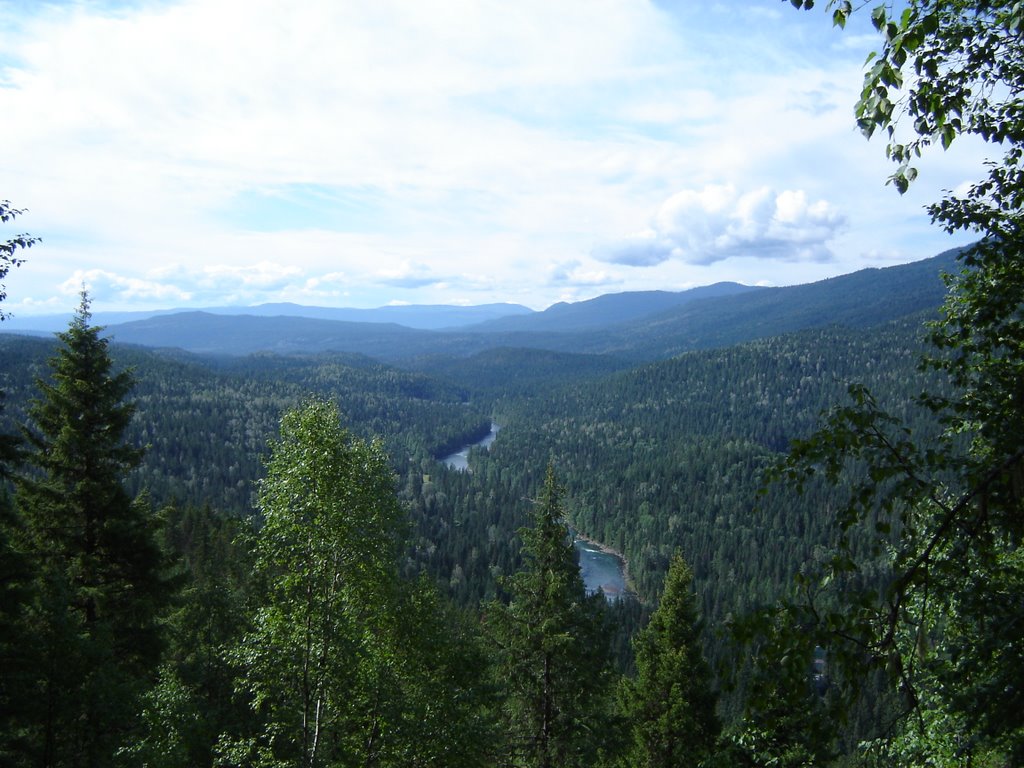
x=950, y=513
x=345, y=664
x=325, y=561
x=10, y=247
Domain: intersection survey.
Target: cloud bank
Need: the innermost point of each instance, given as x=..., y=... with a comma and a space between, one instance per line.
x=715, y=223
x=439, y=151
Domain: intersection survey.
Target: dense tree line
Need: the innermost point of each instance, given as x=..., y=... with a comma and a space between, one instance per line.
x=665, y=457
x=669, y=456
x=291, y=637
x=661, y=459
x=206, y=421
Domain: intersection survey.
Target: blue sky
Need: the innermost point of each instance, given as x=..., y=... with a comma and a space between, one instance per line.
x=345, y=153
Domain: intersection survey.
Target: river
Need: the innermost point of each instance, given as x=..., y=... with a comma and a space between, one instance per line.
x=600, y=568
x=460, y=459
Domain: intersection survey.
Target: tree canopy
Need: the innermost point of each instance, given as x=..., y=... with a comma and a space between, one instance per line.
x=947, y=517
x=552, y=646
x=670, y=704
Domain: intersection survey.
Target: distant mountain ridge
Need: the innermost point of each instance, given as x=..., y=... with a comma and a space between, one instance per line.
x=608, y=309
x=862, y=299
x=423, y=316
x=637, y=326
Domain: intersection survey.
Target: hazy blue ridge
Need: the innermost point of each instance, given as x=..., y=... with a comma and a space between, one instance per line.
x=607, y=310
x=737, y=314
x=422, y=316
x=862, y=299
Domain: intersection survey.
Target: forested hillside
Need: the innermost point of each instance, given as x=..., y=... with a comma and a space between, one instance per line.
x=661, y=460
x=669, y=456
x=663, y=456
x=205, y=422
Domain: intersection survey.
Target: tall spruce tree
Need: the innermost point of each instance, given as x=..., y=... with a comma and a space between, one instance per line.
x=670, y=706
x=100, y=584
x=554, y=649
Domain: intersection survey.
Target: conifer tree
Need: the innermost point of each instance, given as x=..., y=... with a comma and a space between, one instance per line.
x=670, y=705
x=100, y=585
x=16, y=643
x=555, y=657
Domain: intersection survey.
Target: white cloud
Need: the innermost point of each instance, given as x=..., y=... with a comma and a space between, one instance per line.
x=239, y=281
x=574, y=273
x=425, y=151
x=718, y=222
x=107, y=286
x=407, y=275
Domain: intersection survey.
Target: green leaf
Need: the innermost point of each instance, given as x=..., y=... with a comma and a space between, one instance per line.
x=948, y=133
x=878, y=17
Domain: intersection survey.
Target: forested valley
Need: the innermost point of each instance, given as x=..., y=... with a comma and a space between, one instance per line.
x=659, y=461
x=233, y=541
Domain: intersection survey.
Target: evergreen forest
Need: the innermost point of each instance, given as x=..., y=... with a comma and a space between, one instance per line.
x=214, y=555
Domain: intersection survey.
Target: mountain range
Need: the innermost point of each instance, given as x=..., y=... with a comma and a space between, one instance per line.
x=631, y=326
x=430, y=316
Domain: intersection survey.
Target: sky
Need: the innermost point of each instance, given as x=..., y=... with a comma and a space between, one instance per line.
x=201, y=153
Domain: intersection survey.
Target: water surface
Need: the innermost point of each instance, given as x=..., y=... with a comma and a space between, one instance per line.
x=460, y=459
x=601, y=570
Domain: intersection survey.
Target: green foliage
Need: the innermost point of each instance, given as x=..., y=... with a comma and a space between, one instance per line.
x=193, y=702
x=325, y=557
x=100, y=589
x=344, y=664
x=16, y=576
x=944, y=69
x=946, y=513
x=449, y=709
x=670, y=705
x=170, y=718
x=8, y=248
x=786, y=720
x=553, y=648
x=662, y=457
x=17, y=657
x=970, y=648
x=668, y=456
x=938, y=518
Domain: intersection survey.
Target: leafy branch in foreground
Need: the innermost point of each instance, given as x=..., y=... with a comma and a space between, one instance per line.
x=9, y=248
x=922, y=582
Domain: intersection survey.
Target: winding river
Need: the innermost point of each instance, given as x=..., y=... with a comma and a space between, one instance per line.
x=600, y=568
x=460, y=459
